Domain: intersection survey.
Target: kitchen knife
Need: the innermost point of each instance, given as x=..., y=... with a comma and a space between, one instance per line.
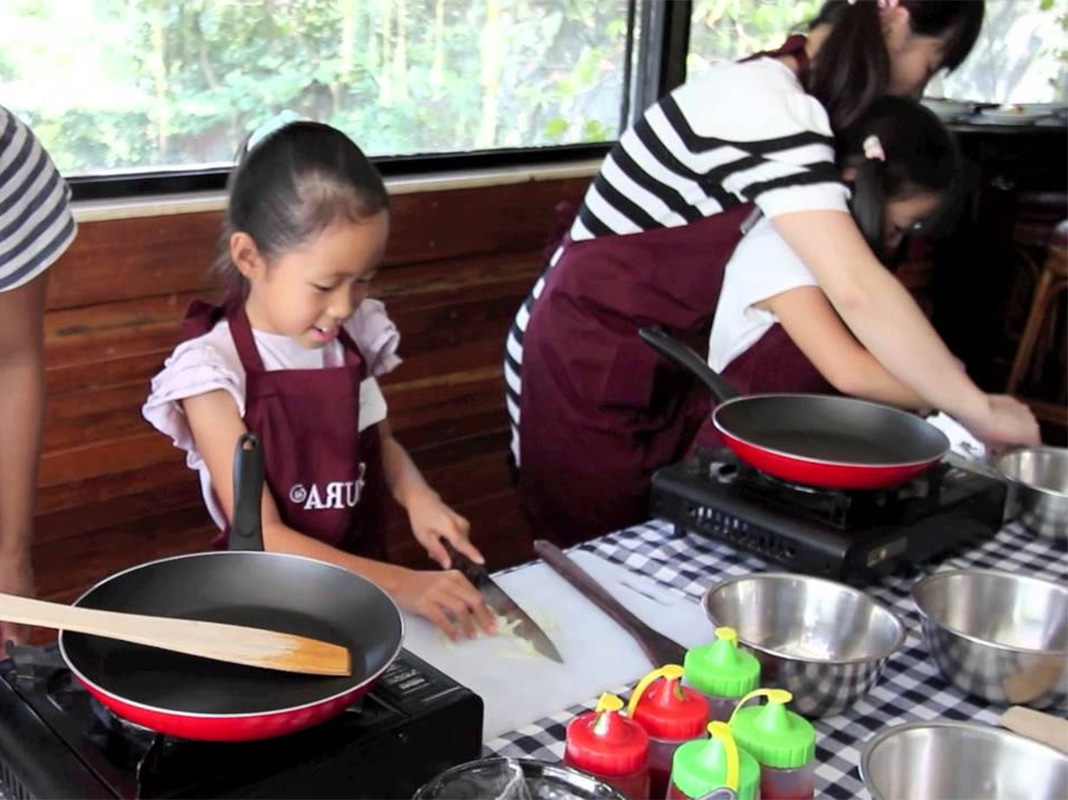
x=658, y=648
x=503, y=605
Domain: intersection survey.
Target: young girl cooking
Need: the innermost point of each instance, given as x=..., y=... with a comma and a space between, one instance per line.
x=293, y=356
x=774, y=330
x=594, y=410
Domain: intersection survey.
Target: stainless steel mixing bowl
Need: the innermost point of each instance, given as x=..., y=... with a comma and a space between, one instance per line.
x=940, y=760
x=1038, y=489
x=1000, y=636
x=825, y=642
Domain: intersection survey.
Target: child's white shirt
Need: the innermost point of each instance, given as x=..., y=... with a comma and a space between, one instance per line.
x=210, y=362
x=762, y=266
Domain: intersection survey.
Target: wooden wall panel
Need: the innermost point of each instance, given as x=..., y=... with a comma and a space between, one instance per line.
x=113, y=492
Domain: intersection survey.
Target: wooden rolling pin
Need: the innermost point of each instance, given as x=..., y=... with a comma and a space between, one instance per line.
x=1036, y=725
x=235, y=644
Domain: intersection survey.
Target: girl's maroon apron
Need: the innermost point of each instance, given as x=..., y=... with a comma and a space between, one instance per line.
x=773, y=364
x=324, y=473
x=600, y=410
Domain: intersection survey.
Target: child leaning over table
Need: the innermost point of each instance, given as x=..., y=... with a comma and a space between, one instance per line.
x=293, y=355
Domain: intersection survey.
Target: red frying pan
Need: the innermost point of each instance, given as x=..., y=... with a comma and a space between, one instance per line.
x=819, y=440
x=197, y=698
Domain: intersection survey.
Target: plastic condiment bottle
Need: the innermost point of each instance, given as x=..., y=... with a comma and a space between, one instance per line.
x=703, y=765
x=610, y=747
x=783, y=743
x=671, y=714
x=722, y=672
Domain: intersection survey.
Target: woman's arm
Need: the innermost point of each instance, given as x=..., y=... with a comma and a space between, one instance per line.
x=883, y=316
x=431, y=519
x=446, y=598
x=812, y=324
x=22, y=400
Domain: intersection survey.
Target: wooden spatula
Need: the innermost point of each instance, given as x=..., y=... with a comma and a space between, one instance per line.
x=235, y=644
x=1037, y=725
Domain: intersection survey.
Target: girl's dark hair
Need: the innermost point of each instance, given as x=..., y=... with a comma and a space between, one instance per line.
x=852, y=67
x=292, y=185
x=920, y=157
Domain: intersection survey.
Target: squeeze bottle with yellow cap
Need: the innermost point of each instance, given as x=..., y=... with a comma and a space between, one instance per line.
x=671, y=714
x=703, y=765
x=783, y=743
x=722, y=672
x=610, y=747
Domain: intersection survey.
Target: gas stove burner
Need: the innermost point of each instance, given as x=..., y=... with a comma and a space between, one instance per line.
x=56, y=740
x=33, y=664
x=849, y=535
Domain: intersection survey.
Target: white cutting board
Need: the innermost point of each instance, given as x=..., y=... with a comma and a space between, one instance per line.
x=519, y=688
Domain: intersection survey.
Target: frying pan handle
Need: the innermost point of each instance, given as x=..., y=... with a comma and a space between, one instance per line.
x=682, y=355
x=246, y=528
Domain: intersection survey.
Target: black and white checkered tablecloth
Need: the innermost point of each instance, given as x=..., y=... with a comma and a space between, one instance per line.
x=910, y=689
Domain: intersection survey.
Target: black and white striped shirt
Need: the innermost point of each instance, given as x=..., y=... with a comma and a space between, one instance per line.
x=36, y=225
x=744, y=132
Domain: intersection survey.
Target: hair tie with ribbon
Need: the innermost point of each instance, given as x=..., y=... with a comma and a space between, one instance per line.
x=274, y=124
x=873, y=148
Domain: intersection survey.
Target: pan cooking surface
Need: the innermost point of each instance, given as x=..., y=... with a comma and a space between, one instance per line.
x=291, y=595
x=833, y=429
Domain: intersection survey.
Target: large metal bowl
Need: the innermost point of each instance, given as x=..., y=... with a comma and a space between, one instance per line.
x=825, y=642
x=940, y=760
x=1038, y=489
x=1000, y=636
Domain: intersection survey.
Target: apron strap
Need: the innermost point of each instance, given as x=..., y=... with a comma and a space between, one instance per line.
x=200, y=318
x=241, y=332
x=353, y=356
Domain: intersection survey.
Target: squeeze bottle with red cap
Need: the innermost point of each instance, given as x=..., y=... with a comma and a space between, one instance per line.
x=722, y=672
x=671, y=714
x=783, y=743
x=703, y=765
x=610, y=747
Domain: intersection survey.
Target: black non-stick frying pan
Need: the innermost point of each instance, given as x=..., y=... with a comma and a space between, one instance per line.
x=820, y=440
x=202, y=699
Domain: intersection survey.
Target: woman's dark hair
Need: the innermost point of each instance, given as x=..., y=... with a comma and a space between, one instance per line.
x=852, y=67
x=920, y=157
x=293, y=185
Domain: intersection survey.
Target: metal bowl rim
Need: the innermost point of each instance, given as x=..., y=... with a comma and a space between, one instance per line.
x=1024, y=484
x=970, y=636
x=894, y=618
x=893, y=730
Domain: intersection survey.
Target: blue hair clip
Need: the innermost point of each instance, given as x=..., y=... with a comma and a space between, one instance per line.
x=275, y=123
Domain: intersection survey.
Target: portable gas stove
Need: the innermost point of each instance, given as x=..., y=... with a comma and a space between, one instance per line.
x=57, y=741
x=850, y=536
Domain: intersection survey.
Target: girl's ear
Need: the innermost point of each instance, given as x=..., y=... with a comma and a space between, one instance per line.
x=897, y=25
x=246, y=256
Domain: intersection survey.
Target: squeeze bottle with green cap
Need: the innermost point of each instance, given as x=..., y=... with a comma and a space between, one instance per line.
x=606, y=744
x=703, y=765
x=783, y=743
x=722, y=672
x=671, y=714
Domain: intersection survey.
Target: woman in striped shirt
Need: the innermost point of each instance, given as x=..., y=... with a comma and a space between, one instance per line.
x=594, y=411
x=36, y=227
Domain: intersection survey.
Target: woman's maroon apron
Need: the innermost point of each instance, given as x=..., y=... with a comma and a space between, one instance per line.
x=324, y=474
x=600, y=411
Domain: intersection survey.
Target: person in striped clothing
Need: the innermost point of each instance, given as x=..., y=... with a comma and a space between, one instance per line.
x=594, y=411
x=36, y=227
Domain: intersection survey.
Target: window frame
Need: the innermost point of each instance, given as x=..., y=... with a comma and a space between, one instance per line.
x=658, y=66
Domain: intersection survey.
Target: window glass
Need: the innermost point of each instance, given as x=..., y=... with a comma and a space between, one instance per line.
x=127, y=85
x=1021, y=55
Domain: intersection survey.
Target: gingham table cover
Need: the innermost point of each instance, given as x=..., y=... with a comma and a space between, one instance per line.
x=910, y=689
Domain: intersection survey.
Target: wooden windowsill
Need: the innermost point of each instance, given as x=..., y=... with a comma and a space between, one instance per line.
x=196, y=202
